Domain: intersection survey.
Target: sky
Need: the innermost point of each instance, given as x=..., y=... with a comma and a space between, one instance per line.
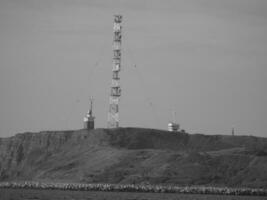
x=206, y=60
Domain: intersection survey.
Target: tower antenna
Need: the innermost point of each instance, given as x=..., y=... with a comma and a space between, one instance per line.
x=173, y=116
x=89, y=119
x=115, y=93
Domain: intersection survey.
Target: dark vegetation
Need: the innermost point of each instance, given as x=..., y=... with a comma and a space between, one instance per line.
x=134, y=188
x=26, y=194
x=135, y=156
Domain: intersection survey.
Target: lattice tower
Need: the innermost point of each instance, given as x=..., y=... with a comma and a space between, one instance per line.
x=115, y=93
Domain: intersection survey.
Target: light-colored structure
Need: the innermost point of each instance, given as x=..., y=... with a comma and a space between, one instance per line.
x=115, y=93
x=89, y=119
x=173, y=126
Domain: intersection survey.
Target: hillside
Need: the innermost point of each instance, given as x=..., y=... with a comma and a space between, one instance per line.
x=135, y=155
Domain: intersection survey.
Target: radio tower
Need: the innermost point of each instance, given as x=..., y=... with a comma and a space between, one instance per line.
x=115, y=93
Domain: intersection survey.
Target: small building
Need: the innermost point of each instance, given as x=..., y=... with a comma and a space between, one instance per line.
x=89, y=119
x=173, y=127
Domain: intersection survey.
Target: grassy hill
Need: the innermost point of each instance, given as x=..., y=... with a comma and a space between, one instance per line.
x=135, y=155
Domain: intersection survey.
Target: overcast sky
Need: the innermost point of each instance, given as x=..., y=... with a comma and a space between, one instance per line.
x=204, y=59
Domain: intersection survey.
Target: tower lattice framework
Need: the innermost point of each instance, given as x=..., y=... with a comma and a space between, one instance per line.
x=115, y=93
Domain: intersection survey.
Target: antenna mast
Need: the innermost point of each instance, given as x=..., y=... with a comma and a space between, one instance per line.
x=88, y=120
x=115, y=93
x=173, y=116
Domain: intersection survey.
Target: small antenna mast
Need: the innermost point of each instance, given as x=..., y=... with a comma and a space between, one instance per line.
x=174, y=116
x=89, y=119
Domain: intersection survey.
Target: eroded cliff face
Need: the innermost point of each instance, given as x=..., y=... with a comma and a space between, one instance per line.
x=132, y=155
x=21, y=153
x=58, y=154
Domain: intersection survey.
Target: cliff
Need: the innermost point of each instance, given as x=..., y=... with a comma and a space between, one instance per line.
x=135, y=155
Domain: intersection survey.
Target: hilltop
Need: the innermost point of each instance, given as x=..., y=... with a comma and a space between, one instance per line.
x=135, y=155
